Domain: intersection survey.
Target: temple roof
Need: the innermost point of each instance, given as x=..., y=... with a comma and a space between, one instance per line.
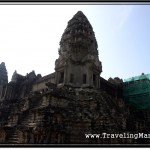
x=45, y=78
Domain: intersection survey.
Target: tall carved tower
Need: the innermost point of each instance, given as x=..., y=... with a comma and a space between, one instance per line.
x=78, y=64
x=3, y=74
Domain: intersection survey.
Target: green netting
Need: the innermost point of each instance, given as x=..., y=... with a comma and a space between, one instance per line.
x=138, y=93
x=139, y=101
x=141, y=77
x=136, y=88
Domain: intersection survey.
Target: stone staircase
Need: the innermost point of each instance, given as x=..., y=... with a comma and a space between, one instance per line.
x=26, y=120
x=33, y=103
x=29, y=122
x=40, y=119
x=14, y=138
x=11, y=124
x=41, y=104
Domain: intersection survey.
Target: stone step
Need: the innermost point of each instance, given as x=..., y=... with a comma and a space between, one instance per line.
x=15, y=135
x=13, y=142
x=27, y=118
x=12, y=123
x=13, y=139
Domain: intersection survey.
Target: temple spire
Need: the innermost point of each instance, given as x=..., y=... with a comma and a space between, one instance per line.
x=3, y=74
x=78, y=55
x=78, y=36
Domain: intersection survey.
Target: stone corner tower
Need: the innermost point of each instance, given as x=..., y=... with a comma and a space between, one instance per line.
x=78, y=64
x=3, y=74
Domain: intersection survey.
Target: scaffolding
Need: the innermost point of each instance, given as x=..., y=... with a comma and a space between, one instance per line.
x=136, y=91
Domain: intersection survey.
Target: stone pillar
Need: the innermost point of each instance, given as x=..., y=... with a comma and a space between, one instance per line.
x=1, y=90
x=5, y=92
x=56, y=77
x=10, y=92
x=65, y=76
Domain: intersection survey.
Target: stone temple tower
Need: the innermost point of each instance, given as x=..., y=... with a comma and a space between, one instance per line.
x=78, y=64
x=3, y=74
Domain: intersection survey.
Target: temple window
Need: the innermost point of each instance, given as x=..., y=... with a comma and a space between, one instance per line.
x=84, y=78
x=61, y=79
x=94, y=79
x=71, y=78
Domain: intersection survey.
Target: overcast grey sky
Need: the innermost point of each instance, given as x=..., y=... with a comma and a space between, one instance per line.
x=30, y=36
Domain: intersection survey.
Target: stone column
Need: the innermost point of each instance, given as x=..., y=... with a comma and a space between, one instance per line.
x=10, y=92
x=1, y=90
x=5, y=93
x=56, y=77
x=65, y=76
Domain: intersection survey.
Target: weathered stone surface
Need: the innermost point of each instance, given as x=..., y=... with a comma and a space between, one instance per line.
x=62, y=107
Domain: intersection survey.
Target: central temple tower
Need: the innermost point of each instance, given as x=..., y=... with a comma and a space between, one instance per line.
x=78, y=64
